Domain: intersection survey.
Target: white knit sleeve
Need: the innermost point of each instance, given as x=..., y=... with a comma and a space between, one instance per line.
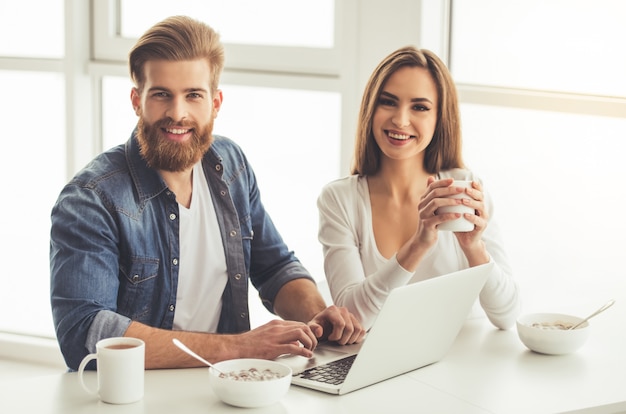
x=339, y=233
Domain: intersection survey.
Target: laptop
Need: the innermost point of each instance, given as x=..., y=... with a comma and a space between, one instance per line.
x=415, y=327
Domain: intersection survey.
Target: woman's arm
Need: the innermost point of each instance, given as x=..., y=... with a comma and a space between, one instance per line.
x=341, y=225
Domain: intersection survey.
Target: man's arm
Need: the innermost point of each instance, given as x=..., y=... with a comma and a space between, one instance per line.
x=162, y=353
x=300, y=300
x=265, y=342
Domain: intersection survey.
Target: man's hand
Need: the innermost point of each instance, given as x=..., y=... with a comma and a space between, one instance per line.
x=337, y=324
x=278, y=337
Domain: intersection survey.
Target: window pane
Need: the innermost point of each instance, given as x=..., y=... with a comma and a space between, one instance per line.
x=40, y=34
x=34, y=173
x=306, y=23
x=283, y=139
x=118, y=117
x=291, y=138
x=557, y=183
x=541, y=44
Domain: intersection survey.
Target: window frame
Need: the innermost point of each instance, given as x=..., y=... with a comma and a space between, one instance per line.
x=109, y=45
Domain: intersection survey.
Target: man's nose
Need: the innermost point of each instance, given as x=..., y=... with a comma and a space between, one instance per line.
x=177, y=110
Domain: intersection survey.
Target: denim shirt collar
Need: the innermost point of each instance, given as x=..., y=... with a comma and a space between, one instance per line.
x=147, y=181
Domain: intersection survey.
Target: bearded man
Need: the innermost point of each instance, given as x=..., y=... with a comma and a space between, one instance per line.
x=159, y=237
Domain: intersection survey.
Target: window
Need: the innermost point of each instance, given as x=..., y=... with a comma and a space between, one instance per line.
x=544, y=114
x=19, y=37
x=253, y=31
x=543, y=97
x=33, y=167
x=310, y=23
x=568, y=46
x=553, y=176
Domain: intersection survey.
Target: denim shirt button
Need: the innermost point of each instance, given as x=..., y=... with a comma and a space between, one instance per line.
x=175, y=261
x=218, y=167
x=135, y=278
x=233, y=233
x=242, y=315
x=172, y=216
x=237, y=276
x=222, y=193
x=171, y=308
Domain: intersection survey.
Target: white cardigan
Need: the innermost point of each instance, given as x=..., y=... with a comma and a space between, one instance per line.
x=360, y=278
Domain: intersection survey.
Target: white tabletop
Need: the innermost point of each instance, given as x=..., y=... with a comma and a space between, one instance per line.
x=486, y=371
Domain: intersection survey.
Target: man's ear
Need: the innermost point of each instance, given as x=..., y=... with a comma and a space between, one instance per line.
x=135, y=99
x=218, y=98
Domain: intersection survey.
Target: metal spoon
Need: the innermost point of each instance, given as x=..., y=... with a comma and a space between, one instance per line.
x=602, y=309
x=193, y=354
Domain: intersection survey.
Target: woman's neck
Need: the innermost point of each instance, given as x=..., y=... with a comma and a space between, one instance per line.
x=400, y=181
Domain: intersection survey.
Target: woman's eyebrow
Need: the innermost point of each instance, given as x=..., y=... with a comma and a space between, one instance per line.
x=394, y=97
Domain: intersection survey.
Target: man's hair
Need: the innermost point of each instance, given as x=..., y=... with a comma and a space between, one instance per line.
x=177, y=38
x=444, y=151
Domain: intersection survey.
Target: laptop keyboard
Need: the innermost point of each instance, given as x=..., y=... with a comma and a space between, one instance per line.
x=333, y=373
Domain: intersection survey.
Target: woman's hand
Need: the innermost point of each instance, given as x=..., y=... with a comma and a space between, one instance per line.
x=425, y=236
x=337, y=324
x=438, y=195
x=471, y=242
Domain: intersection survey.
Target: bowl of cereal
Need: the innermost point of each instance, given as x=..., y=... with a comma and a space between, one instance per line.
x=550, y=333
x=250, y=382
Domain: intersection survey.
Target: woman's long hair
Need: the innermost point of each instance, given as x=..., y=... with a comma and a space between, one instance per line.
x=444, y=151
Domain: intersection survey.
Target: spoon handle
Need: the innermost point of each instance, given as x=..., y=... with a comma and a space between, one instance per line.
x=602, y=309
x=186, y=349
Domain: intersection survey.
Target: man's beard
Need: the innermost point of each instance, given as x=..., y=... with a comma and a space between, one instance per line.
x=162, y=154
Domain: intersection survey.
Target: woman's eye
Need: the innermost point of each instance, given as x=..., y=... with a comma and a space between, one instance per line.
x=386, y=102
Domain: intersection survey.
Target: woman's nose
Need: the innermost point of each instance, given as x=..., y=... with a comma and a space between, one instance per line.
x=400, y=119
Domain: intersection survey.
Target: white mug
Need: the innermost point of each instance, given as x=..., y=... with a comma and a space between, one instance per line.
x=461, y=224
x=121, y=364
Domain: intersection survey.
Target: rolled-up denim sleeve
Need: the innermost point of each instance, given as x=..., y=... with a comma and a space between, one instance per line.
x=83, y=273
x=106, y=324
x=268, y=290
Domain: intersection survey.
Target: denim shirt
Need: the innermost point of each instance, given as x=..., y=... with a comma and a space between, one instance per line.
x=114, y=247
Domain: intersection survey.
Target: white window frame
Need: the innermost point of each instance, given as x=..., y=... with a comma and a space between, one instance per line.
x=109, y=45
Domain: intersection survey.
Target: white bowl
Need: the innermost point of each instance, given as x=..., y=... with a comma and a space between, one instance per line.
x=250, y=393
x=546, y=338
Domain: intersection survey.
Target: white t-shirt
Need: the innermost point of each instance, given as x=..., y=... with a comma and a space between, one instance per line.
x=202, y=276
x=360, y=277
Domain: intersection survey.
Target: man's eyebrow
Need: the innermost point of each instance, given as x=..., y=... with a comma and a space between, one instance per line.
x=197, y=90
x=187, y=90
x=395, y=98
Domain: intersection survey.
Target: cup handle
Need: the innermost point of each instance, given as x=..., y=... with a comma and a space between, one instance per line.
x=81, y=370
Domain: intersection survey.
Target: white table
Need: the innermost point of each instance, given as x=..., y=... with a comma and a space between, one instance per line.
x=486, y=371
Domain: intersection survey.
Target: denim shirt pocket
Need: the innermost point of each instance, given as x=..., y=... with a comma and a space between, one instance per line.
x=138, y=287
x=247, y=236
x=246, y=229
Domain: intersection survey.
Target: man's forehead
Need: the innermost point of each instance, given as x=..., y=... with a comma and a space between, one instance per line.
x=193, y=73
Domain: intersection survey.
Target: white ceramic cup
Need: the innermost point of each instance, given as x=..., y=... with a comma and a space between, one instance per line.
x=121, y=363
x=461, y=224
